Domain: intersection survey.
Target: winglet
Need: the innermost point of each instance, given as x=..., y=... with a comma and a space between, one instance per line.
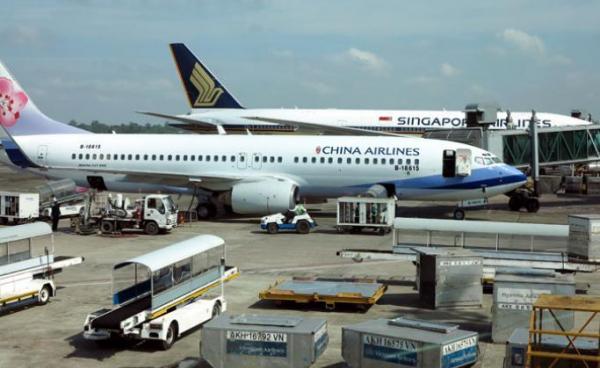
x=202, y=89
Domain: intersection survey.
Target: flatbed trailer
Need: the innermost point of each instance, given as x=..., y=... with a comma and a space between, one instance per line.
x=492, y=259
x=331, y=293
x=162, y=294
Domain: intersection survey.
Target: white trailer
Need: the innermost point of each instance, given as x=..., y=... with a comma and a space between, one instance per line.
x=357, y=213
x=160, y=295
x=27, y=264
x=19, y=207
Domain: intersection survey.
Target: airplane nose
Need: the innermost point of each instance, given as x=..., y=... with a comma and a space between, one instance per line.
x=514, y=175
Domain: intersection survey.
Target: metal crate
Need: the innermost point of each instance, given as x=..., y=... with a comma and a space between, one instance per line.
x=584, y=237
x=254, y=341
x=515, y=294
x=404, y=342
x=449, y=277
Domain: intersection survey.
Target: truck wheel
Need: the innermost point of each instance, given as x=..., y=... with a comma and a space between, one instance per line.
x=302, y=227
x=272, y=228
x=151, y=228
x=107, y=227
x=44, y=295
x=171, y=337
x=216, y=309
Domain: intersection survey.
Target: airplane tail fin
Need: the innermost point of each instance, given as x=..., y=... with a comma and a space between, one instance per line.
x=203, y=90
x=19, y=115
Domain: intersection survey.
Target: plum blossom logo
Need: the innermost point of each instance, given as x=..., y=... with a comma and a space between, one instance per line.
x=318, y=149
x=11, y=103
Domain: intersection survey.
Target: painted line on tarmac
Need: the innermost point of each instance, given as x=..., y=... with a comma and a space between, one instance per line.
x=92, y=283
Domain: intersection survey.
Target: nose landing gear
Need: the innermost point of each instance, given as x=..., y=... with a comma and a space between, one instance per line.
x=524, y=199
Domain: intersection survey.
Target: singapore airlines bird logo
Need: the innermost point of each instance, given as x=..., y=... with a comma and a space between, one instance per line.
x=208, y=94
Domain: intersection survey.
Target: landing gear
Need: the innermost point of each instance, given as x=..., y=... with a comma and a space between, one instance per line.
x=206, y=211
x=524, y=199
x=459, y=214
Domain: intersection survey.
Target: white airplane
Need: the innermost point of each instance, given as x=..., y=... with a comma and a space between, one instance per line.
x=213, y=107
x=249, y=174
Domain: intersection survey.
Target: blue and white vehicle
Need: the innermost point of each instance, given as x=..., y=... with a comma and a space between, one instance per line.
x=301, y=223
x=248, y=174
x=162, y=294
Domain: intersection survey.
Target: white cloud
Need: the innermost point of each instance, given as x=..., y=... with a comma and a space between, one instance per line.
x=319, y=87
x=524, y=41
x=448, y=70
x=366, y=59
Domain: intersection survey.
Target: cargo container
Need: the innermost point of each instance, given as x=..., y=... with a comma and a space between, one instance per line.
x=449, y=277
x=584, y=237
x=404, y=342
x=19, y=207
x=514, y=296
x=355, y=214
x=255, y=341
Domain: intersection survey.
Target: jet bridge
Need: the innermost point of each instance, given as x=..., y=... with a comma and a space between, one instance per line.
x=557, y=146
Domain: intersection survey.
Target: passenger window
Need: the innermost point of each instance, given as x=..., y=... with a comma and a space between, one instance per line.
x=408, y=161
x=102, y=156
x=272, y=159
x=339, y=160
x=366, y=161
x=383, y=161
x=280, y=159
x=296, y=160
x=232, y=158
x=348, y=160
x=330, y=160
x=224, y=158
x=161, y=157
x=192, y=158
x=184, y=157
x=391, y=161
x=162, y=279
x=313, y=160
x=357, y=160
x=123, y=157
x=242, y=158
x=137, y=157
x=176, y=157
x=399, y=161
x=108, y=156
x=207, y=158
x=87, y=156
x=94, y=156
x=304, y=160
x=182, y=271
x=265, y=158
x=322, y=160
x=73, y=156
x=375, y=160
x=169, y=157
x=416, y=161
x=215, y=158
x=153, y=157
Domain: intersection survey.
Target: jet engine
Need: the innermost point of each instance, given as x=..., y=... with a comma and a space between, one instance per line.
x=265, y=196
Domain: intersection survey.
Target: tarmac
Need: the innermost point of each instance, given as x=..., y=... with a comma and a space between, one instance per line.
x=51, y=335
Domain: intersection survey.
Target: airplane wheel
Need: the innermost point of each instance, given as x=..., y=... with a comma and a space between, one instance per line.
x=302, y=227
x=459, y=214
x=206, y=211
x=532, y=205
x=151, y=228
x=514, y=203
x=272, y=228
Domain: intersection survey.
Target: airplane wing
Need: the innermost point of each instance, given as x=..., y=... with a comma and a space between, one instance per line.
x=205, y=125
x=318, y=128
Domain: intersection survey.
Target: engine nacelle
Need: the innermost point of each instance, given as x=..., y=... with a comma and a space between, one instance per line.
x=265, y=196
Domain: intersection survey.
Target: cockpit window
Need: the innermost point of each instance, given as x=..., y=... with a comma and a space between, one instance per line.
x=497, y=160
x=488, y=161
x=479, y=160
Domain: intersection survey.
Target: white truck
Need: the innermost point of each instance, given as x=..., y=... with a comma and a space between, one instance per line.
x=160, y=295
x=355, y=214
x=154, y=213
x=26, y=271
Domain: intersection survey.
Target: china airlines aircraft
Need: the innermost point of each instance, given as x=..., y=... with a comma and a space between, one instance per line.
x=247, y=174
x=213, y=107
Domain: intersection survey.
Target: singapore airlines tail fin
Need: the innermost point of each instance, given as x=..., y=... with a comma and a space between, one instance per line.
x=202, y=89
x=19, y=115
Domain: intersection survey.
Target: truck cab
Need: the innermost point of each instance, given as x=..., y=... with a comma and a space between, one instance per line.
x=159, y=209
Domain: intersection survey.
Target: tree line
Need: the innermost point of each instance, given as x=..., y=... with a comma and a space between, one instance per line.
x=126, y=128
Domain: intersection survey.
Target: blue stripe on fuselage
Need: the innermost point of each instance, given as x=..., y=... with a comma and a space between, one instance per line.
x=484, y=177
x=15, y=154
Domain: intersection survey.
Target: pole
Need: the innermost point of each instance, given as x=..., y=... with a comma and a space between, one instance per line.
x=222, y=275
x=535, y=162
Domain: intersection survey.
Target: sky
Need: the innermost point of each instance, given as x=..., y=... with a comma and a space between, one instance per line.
x=104, y=60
